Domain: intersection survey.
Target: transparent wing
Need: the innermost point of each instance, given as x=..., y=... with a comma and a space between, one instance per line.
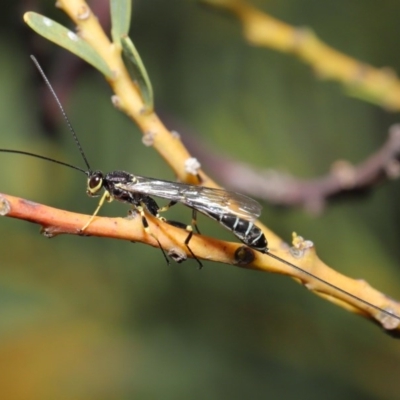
x=204, y=199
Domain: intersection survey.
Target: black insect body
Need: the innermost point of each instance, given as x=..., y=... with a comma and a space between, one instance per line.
x=232, y=210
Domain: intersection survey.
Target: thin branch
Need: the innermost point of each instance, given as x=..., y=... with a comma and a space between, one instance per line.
x=353, y=295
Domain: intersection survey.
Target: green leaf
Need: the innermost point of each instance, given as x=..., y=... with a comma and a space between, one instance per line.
x=120, y=18
x=135, y=66
x=62, y=36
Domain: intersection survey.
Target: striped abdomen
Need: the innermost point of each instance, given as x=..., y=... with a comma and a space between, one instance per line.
x=246, y=231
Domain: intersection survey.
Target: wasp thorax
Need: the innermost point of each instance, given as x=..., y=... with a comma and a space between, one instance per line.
x=95, y=183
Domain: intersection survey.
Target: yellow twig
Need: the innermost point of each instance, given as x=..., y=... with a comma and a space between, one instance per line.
x=378, y=86
x=128, y=98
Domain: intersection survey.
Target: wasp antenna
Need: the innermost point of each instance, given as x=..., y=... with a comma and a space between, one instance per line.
x=26, y=153
x=70, y=127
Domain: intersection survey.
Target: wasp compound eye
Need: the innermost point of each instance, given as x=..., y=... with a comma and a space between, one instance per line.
x=95, y=182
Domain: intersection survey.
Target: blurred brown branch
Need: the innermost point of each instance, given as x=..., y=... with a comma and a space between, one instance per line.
x=281, y=188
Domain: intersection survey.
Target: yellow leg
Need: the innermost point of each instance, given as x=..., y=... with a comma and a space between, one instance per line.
x=167, y=207
x=105, y=197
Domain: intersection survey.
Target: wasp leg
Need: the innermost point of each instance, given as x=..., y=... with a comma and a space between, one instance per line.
x=194, y=221
x=199, y=178
x=189, y=229
x=105, y=197
x=146, y=228
x=153, y=208
x=194, y=215
x=167, y=207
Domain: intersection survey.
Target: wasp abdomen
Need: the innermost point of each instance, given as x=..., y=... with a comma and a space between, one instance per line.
x=246, y=231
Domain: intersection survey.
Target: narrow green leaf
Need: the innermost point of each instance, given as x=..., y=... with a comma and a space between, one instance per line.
x=138, y=71
x=62, y=36
x=120, y=18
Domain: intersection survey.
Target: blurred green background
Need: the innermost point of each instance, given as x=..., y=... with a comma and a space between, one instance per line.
x=90, y=318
